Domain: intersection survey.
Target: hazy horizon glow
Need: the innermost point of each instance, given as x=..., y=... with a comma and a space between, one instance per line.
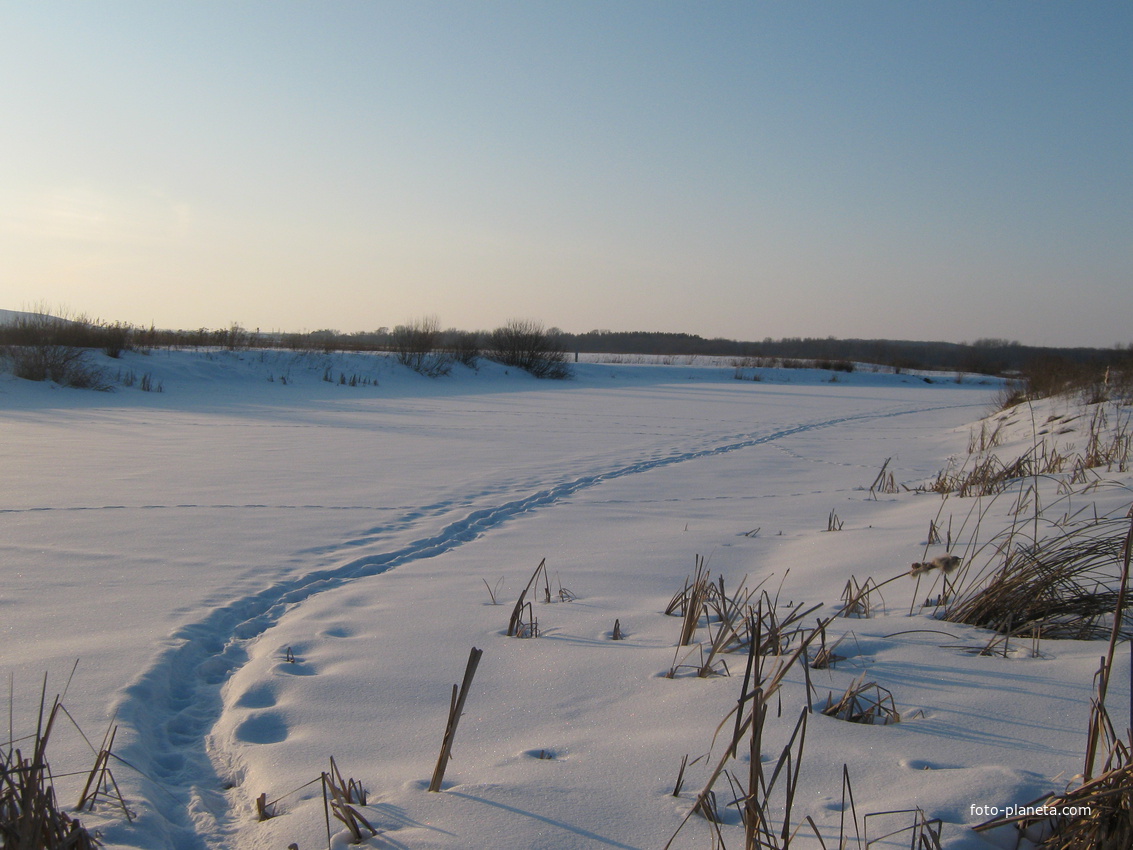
x=738, y=169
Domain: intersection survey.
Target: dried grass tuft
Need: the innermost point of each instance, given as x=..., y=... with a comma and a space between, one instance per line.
x=340, y=796
x=857, y=599
x=516, y=627
x=884, y=482
x=864, y=702
x=30, y=817
x=1066, y=585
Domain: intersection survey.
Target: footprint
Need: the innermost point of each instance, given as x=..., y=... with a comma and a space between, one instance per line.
x=260, y=696
x=340, y=631
x=212, y=671
x=542, y=753
x=921, y=764
x=295, y=668
x=267, y=728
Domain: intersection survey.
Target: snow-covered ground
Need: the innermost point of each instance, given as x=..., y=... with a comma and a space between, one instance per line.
x=259, y=569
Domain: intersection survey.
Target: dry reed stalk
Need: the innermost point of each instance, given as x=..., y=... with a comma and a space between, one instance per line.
x=679, y=603
x=884, y=482
x=864, y=702
x=857, y=598
x=749, y=713
x=733, y=624
x=455, y=711
x=100, y=778
x=30, y=818
x=990, y=475
x=698, y=593
x=933, y=533
x=491, y=590
x=1097, y=815
x=339, y=797
x=729, y=632
x=826, y=658
x=517, y=611
x=530, y=628
x=685, y=763
x=778, y=635
x=924, y=832
x=1107, y=663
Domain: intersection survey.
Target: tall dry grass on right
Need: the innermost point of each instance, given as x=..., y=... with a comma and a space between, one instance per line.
x=1098, y=813
x=1062, y=586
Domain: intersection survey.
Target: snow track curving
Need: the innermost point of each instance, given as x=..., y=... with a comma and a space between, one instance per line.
x=170, y=708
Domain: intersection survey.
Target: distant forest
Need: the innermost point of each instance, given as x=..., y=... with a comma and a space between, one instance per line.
x=985, y=356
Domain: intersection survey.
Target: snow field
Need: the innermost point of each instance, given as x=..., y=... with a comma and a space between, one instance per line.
x=230, y=519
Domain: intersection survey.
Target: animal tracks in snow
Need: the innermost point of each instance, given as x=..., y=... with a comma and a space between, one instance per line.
x=171, y=707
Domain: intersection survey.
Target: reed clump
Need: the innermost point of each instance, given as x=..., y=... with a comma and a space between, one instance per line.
x=30, y=816
x=340, y=797
x=864, y=702
x=1065, y=586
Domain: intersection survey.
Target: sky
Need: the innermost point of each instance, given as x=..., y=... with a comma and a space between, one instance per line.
x=948, y=170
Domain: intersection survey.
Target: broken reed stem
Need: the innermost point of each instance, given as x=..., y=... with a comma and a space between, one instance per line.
x=680, y=777
x=517, y=611
x=455, y=710
x=694, y=606
x=100, y=770
x=342, y=793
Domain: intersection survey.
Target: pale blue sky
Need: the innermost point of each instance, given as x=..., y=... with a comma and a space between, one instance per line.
x=919, y=170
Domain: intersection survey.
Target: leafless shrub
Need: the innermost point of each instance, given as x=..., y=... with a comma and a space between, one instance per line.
x=41, y=347
x=464, y=347
x=417, y=345
x=526, y=345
